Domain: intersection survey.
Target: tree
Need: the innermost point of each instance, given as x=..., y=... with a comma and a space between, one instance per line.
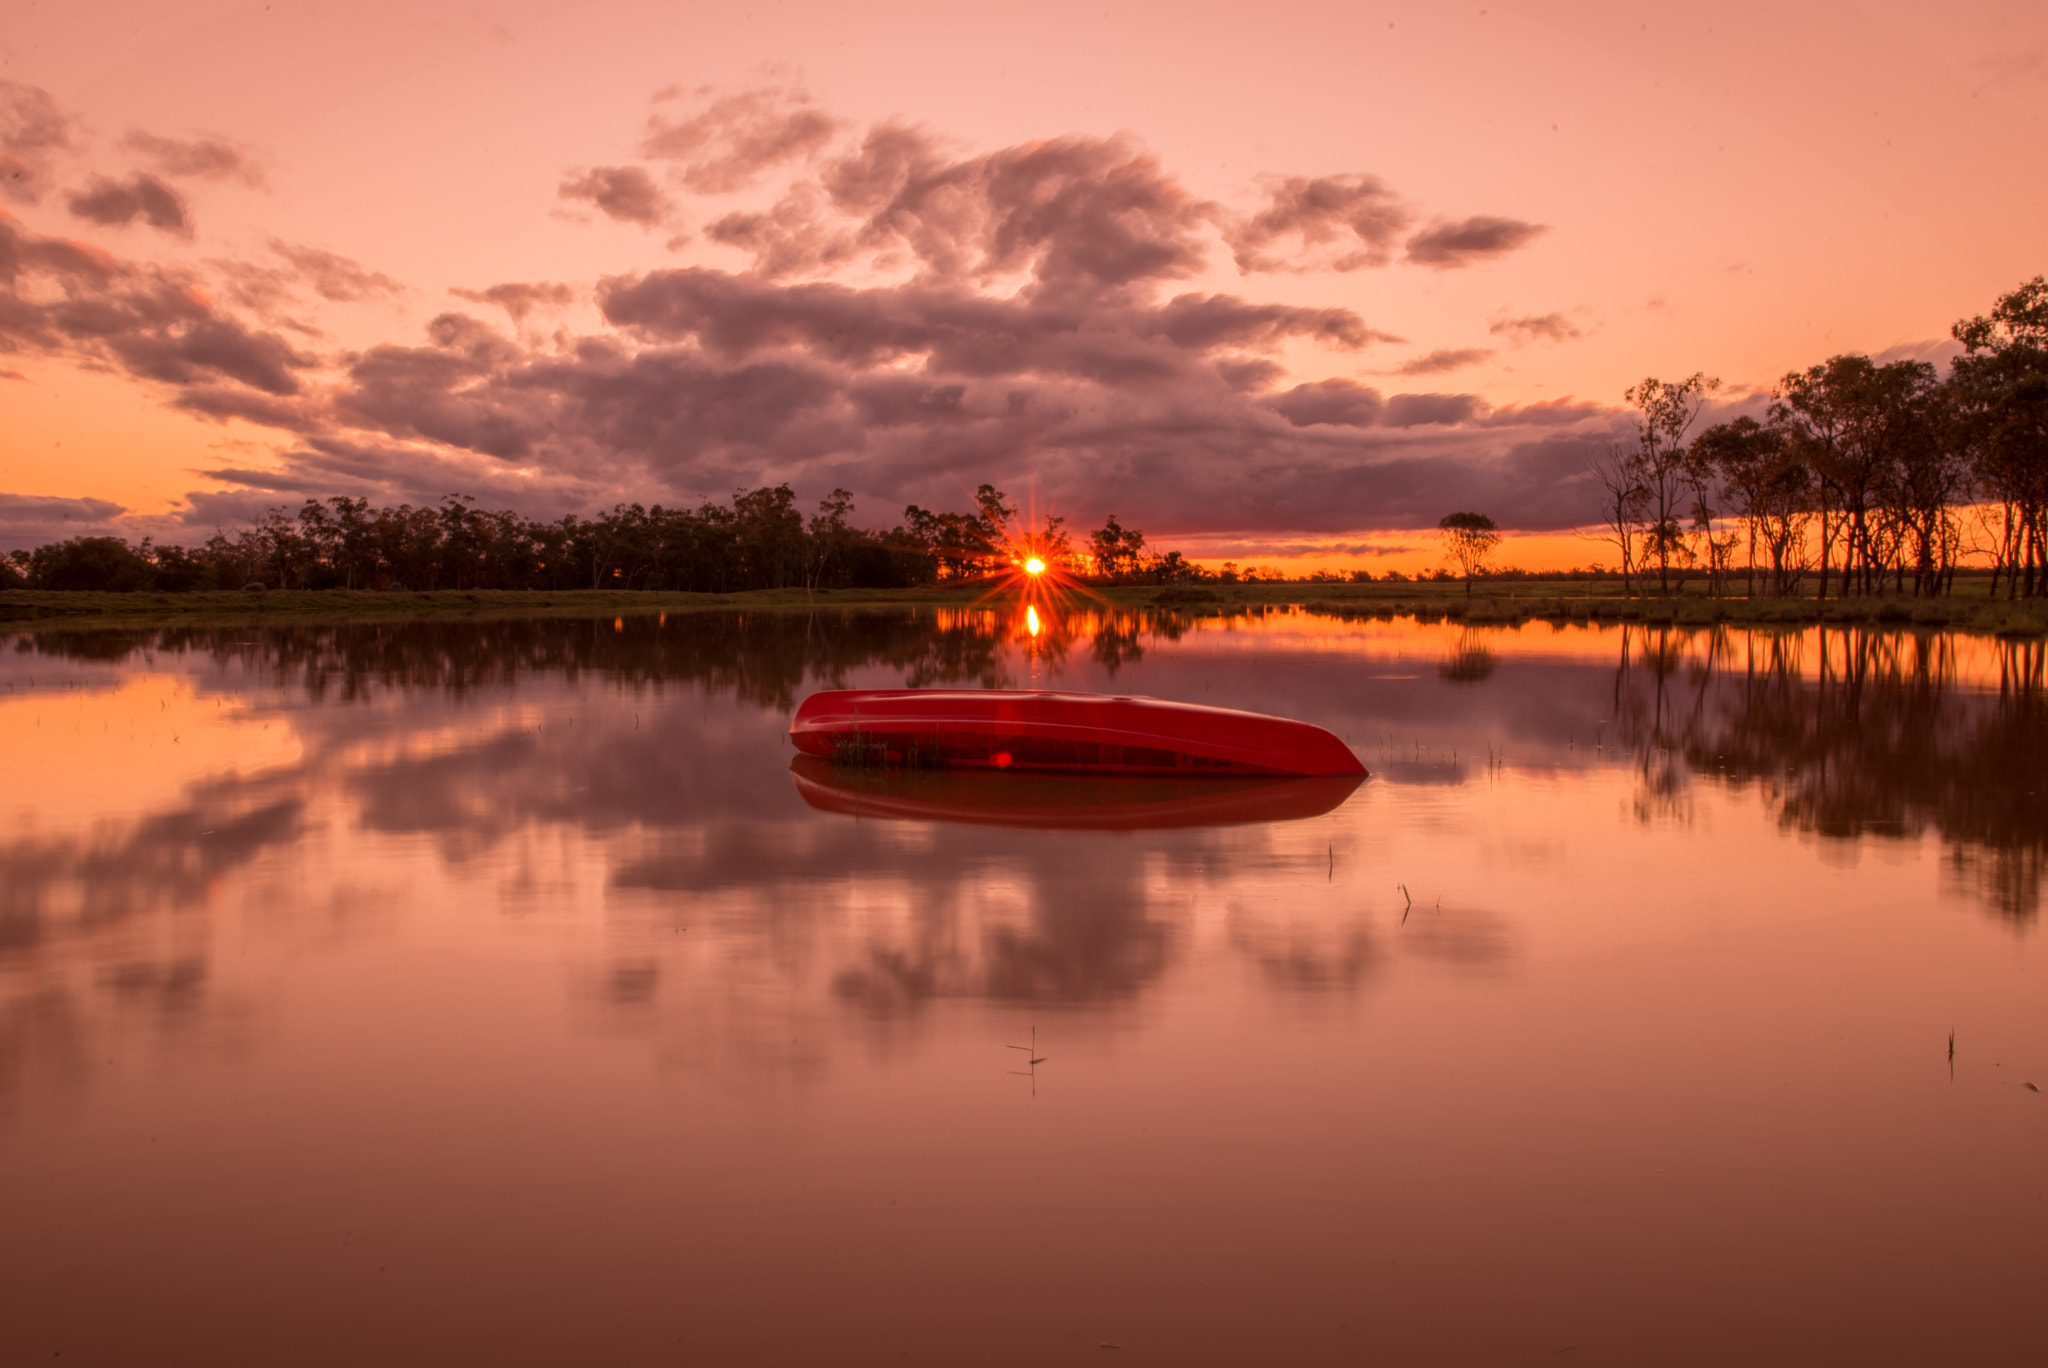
x=1664, y=413
x=1469, y=538
x=1621, y=505
x=1772, y=491
x=103, y=563
x=829, y=535
x=1115, y=549
x=1854, y=422
x=2000, y=391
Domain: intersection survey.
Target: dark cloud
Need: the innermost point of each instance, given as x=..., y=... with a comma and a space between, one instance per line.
x=1075, y=214
x=735, y=139
x=1022, y=319
x=625, y=193
x=1550, y=327
x=519, y=298
x=209, y=347
x=1444, y=360
x=34, y=132
x=150, y=321
x=1415, y=410
x=1325, y=223
x=197, y=158
x=956, y=332
x=1449, y=244
x=29, y=520
x=222, y=402
x=1340, y=403
x=141, y=196
x=333, y=276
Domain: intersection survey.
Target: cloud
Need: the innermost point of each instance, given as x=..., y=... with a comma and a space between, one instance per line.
x=1451, y=244
x=212, y=158
x=625, y=193
x=518, y=299
x=1444, y=360
x=333, y=276
x=1326, y=223
x=1415, y=410
x=1344, y=403
x=1550, y=327
x=30, y=520
x=34, y=132
x=903, y=320
x=796, y=234
x=153, y=322
x=1078, y=213
x=737, y=138
x=141, y=196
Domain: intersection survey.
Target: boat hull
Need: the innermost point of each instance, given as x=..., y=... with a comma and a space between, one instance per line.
x=1044, y=730
x=1063, y=802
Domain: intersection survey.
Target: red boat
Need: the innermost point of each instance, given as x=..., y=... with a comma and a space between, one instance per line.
x=1063, y=802
x=1028, y=729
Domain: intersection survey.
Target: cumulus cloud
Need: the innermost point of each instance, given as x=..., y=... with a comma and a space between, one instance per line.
x=34, y=133
x=153, y=322
x=520, y=298
x=1449, y=244
x=625, y=193
x=208, y=158
x=737, y=138
x=903, y=318
x=1326, y=223
x=141, y=196
x=1444, y=360
x=1521, y=331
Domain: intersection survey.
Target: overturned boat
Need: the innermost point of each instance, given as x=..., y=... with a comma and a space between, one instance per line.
x=1063, y=801
x=1045, y=730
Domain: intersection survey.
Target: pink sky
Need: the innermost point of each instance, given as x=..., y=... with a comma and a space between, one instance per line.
x=1267, y=281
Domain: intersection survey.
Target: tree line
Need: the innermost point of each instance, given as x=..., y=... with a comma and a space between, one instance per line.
x=1860, y=478
x=760, y=540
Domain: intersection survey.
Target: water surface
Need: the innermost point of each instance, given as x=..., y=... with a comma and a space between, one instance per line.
x=492, y=992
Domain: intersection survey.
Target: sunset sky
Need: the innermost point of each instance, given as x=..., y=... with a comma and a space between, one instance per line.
x=1280, y=282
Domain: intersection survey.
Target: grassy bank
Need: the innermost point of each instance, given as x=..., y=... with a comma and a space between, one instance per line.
x=1521, y=601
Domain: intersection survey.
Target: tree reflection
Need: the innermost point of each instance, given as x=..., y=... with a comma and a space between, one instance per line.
x=1852, y=733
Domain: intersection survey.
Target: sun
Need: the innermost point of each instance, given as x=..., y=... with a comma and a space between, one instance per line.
x=1034, y=566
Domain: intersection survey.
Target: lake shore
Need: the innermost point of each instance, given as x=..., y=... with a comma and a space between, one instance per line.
x=1492, y=602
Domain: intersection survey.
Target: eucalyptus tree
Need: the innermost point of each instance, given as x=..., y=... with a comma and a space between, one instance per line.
x=1617, y=476
x=1854, y=422
x=1665, y=412
x=1773, y=494
x=1469, y=538
x=2000, y=391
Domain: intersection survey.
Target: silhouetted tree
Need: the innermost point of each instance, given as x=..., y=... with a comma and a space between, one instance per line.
x=1468, y=538
x=2000, y=412
x=1665, y=411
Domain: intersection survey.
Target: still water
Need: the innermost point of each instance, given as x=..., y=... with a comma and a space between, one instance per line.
x=496, y=993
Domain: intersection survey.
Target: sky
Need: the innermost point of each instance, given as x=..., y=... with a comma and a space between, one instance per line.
x=1281, y=283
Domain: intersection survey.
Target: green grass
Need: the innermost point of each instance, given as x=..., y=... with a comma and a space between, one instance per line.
x=1970, y=610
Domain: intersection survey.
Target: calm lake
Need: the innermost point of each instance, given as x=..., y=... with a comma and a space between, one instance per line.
x=495, y=992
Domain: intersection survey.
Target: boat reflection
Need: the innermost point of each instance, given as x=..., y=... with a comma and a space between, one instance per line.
x=1062, y=802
